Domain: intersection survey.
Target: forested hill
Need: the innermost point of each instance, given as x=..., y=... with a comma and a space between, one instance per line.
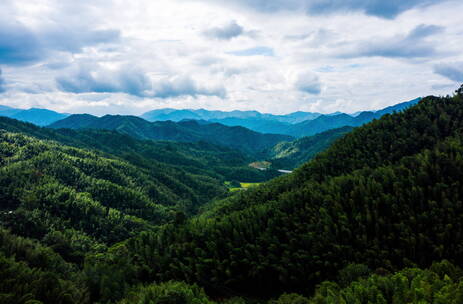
x=289, y=155
x=185, y=131
x=67, y=194
x=93, y=216
x=199, y=158
x=387, y=195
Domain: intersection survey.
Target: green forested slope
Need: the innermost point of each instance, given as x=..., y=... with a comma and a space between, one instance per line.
x=30, y=271
x=239, y=138
x=45, y=186
x=106, y=228
x=289, y=155
x=76, y=201
x=199, y=158
x=389, y=195
x=441, y=283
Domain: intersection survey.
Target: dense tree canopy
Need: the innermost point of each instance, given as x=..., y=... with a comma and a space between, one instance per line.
x=388, y=194
x=99, y=217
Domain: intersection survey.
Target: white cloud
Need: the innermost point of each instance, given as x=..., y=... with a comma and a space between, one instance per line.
x=131, y=57
x=452, y=71
x=2, y=83
x=308, y=82
x=226, y=32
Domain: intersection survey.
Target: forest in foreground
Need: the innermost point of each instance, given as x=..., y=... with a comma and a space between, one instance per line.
x=375, y=218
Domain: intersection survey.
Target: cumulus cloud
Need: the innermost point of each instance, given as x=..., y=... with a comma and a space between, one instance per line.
x=18, y=44
x=453, y=71
x=2, y=83
x=412, y=45
x=73, y=39
x=315, y=38
x=380, y=8
x=201, y=58
x=24, y=44
x=225, y=32
x=91, y=79
x=256, y=51
x=308, y=82
x=184, y=86
x=21, y=46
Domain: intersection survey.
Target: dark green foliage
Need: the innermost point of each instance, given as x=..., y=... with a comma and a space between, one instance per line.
x=290, y=298
x=460, y=91
x=407, y=286
x=48, y=186
x=116, y=224
x=30, y=271
x=77, y=201
x=386, y=195
x=167, y=293
x=351, y=273
x=200, y=159
x=289, y=155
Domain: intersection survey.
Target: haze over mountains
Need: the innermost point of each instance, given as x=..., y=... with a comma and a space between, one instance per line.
x=297, y=124
x=40, y=117
x=202, y=114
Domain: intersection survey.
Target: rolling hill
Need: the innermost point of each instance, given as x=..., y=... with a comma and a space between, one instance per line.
x=199, y=158
x=290, y=155
x=297, y=124
x=98, y=216
x=66, y=194
x=185, y=131
x=387, y=195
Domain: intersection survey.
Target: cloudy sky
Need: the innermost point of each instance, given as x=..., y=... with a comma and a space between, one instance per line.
x=275, y=56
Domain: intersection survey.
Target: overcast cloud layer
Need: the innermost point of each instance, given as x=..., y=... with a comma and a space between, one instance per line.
x=275, y=56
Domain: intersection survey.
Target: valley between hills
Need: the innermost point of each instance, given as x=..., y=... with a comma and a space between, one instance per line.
x=197, y=206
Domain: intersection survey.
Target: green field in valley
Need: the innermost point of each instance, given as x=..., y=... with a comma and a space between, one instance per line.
x=242, y=186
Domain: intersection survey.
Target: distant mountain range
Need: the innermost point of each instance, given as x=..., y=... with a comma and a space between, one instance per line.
x=328, y=122
x=238, y=137
x=39, y=117
x=297, y=124
x=202, y=114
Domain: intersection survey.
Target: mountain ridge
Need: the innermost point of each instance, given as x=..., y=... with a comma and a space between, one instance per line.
x=297, y=124
x=237, y=137
x=37, y=116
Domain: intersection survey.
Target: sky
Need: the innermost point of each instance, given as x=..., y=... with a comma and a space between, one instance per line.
x=274, y=56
